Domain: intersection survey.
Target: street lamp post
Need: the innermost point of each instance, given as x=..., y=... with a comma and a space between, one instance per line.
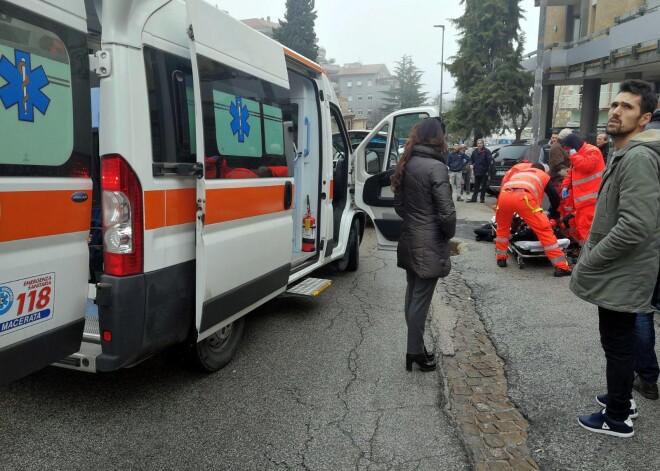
x=442, y=64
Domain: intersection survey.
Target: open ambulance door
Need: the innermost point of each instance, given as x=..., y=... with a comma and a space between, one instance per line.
x=45, y=187
x=244, y=217
x=375, y=159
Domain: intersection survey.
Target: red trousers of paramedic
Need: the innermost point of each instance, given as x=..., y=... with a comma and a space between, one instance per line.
x=524, y=203
x=584, y=216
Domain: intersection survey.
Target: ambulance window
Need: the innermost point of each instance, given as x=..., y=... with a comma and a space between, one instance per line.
x=244, y=120
x=44, y=77
x=171, y=107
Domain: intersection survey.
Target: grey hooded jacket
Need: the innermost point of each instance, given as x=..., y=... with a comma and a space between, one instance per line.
x=429, y=216
x=618, y=265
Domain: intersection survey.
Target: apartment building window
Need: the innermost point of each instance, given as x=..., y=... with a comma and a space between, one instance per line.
x=369, y=83
x=369, y=111
x=359, y=83
x=349, y=84
x=359, y=112
x=350, y=97
x=359, y=98
x=369, y=97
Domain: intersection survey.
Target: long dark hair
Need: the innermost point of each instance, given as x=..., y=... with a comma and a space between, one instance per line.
x=429, y=132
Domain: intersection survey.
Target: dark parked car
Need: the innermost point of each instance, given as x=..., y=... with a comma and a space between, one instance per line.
x=506, y=157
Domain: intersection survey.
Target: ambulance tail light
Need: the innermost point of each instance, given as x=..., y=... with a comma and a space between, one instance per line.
x=123, y=236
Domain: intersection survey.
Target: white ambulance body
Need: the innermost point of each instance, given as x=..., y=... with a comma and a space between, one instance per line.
x=155, y=191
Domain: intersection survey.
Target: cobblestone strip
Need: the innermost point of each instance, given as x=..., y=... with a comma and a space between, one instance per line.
x=494, y=431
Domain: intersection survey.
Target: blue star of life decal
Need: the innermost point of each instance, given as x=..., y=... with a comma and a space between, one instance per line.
x=239, y=124
x=23, y=86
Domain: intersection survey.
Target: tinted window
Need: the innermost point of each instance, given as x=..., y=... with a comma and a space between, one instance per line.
x=511, y=153
x=243, y=122
x=44, y=77
x=171, y=107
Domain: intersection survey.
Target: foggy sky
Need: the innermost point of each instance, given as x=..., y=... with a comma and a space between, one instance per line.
x=381, y=31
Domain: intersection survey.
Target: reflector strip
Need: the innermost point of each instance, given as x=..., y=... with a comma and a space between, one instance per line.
x=169, y=207
x=29, y=214
x=228, y=204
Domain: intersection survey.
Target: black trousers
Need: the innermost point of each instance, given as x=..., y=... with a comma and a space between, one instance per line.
x=419, y=294
x=617, y=336
x=480, y=184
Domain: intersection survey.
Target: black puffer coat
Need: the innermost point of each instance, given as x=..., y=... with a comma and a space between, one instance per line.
x=429, y=216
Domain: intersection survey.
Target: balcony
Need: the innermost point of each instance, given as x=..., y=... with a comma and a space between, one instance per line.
x=633, y=41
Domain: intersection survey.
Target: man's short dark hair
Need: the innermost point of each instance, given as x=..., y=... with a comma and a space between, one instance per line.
x=538, y=166
x=644, y=90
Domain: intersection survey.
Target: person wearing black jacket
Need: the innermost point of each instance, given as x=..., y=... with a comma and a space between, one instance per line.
x=422, y=197
x=481, y=159
x=456, y=161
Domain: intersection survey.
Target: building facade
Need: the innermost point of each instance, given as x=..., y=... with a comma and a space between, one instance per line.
x=592, y=45
x=363, y=87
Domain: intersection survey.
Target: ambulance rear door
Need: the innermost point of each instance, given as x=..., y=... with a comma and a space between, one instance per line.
x=244, y=218
x=45, y=185
x=374, y=161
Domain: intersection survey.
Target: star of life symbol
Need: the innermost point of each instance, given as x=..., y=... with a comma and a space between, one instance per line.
x=23, y=86
x=239, y=124
x=6, y=299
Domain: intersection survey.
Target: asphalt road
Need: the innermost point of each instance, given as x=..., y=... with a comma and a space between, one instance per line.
x=555, y=364
x=320, y=385
x=315, y=385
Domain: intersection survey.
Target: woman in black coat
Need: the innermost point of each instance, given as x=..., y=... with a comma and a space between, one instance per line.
x=422, y=197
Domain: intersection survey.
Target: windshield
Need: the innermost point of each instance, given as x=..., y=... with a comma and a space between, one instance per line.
x=511, y=153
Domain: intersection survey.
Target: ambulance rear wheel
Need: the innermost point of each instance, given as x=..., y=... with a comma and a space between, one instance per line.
x=521, y=263
x=216, y=350
x=351, y=259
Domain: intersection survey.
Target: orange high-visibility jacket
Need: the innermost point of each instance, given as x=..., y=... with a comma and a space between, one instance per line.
x=522, y=176
x=584, y=177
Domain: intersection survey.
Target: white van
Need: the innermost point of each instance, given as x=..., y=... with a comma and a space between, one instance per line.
x=164, y=170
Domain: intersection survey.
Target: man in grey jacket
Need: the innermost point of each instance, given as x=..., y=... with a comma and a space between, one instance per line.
x=618, y=265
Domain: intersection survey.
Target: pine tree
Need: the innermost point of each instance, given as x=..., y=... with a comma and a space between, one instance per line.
x=407, y=91
x=297, y=30
x=492, y=86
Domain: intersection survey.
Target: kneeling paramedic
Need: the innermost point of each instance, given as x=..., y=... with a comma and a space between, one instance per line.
x=522, y=192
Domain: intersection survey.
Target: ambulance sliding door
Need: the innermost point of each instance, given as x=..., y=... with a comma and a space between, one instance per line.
x=244, y=223
x=45, y=188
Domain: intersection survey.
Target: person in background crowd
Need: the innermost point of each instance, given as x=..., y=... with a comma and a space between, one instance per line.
x=456, y=161
x=618, y=266
x=582, y=182
x=467, y=174
x=522, y=192
x=558, y=161
x=603, y=144
x=422, y=197
x=481, y=160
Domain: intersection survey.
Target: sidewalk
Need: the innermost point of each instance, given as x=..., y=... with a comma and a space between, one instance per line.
x=522, y=359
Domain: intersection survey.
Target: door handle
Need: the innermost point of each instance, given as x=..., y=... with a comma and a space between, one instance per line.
x=288, y=195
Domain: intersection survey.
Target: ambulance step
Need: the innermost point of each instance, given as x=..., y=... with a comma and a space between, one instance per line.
x=91, y=332
x=310, y=287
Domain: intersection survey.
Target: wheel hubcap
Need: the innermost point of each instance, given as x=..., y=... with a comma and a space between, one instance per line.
x=219, y=340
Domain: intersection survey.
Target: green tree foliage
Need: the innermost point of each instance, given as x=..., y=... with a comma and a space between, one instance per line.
x=297, y=30
x=493, y=89
x=407, y=91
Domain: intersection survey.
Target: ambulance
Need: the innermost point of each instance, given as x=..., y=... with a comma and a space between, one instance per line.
x=164, y=170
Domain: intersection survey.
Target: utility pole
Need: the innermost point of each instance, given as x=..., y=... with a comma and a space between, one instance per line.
x=442, y=65
x=538, y=84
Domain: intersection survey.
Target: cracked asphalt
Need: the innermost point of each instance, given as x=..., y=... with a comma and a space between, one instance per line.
x=315, y=385
x=321, y=385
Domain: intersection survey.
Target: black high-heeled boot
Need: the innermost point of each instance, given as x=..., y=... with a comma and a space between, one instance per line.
x=421, y=360
x=430, y=356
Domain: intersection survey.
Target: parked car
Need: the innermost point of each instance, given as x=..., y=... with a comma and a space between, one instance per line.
x=506, y=157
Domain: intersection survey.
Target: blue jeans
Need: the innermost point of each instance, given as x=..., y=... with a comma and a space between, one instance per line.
x=646, y=361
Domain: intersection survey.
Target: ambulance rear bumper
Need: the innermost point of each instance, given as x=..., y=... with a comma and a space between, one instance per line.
x=143, y=314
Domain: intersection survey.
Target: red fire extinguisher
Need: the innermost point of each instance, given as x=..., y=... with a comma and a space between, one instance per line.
x=309, y=231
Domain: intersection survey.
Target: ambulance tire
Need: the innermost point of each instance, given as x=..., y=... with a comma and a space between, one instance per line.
x=216, y=351
x=354, y=247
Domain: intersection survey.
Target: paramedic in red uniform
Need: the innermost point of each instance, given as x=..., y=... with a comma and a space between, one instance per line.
x=582, y=182
x=522, y=192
